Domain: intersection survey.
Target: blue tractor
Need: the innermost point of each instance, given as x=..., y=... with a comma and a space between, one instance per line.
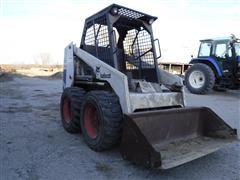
x=217, y=66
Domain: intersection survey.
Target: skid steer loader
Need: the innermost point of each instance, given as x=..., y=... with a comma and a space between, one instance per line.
x=114, y=92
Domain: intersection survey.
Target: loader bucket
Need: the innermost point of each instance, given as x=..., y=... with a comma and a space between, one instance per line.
x=168, y=138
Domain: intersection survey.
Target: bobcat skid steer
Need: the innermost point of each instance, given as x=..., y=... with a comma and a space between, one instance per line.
x=114, y=93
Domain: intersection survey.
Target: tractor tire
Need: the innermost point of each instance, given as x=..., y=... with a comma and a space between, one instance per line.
x=70, y=107
x=101, y=120
x=199, y=79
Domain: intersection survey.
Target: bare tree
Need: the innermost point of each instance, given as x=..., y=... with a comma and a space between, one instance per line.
x=36, y=59
x=45, y=58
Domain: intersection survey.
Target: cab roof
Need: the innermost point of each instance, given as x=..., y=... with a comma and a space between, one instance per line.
x=123, y=11
x=225, y=38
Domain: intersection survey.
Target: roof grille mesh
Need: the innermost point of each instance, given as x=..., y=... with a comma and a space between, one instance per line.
x=129, y=13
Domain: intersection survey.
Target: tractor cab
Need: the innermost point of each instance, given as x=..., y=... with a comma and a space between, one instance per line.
x=224, y=53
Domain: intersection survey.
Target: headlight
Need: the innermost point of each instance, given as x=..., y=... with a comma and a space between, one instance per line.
x=114, y=11
x=150, y=21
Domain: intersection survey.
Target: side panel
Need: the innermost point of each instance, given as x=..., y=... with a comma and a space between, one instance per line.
x=210, y=60
x=68, y=71
x=105, y=72
x=238, y=59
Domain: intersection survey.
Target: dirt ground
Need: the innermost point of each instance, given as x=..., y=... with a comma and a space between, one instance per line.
x=33, y=144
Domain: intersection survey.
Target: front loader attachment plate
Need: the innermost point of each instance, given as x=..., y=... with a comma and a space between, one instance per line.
x=168, y=138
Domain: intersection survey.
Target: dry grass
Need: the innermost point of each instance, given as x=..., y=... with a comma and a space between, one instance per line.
x=31, y=69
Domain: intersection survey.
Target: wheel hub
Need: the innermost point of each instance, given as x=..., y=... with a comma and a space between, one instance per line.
x=66, y=110
x=91, y=121
x=197, y=79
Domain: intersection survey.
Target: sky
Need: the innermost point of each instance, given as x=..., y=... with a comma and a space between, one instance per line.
x=29, y=28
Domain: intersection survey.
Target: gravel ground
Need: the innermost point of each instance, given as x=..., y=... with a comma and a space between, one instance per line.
x=33, y=144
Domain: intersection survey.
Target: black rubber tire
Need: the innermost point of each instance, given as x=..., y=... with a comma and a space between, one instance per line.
x=209, y=78
x=109, y=117
x=75, y=97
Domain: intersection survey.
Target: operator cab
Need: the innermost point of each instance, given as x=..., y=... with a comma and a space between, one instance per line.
x=224, y=51
x=123, y=38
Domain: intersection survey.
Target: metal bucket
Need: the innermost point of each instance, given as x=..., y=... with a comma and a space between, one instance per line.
x=168, y=138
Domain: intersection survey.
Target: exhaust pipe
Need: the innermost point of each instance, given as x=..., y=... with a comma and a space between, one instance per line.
x=168, y=138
